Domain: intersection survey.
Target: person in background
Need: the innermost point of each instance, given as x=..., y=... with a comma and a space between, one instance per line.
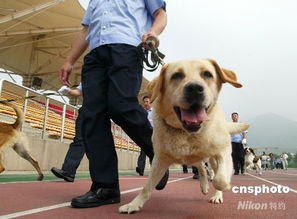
x=284, y=158
x=265, y=159
x=272, y=161
x=111, y=80
x=142, y=156
x=238, y=140
x=278, y=163
x=76, y=149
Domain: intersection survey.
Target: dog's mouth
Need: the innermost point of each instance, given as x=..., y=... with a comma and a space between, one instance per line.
x=192, y=118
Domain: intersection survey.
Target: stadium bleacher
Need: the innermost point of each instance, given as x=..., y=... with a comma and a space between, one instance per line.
x=52, y=121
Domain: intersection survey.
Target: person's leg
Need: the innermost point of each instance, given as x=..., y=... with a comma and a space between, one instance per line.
x=141, y=163
x=96, y=125
x=241, y=158
x=241, y=165
x=235, y=158
x=74, y=155
x=195, y=172
x=185, y=168
x=76, y=150
x=125, y=77
x=96, y=132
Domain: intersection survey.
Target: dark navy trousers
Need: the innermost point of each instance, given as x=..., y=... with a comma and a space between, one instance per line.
x=238, y=157
x=111, y=80
x=76, y=149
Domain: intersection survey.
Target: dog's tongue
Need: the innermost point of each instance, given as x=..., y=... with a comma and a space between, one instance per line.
x=191, y=118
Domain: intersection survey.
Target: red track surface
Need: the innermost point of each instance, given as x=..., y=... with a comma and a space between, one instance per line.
x=180, y=199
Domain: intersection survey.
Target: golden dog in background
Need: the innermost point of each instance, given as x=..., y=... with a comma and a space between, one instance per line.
x=189, y=125
x=11, y=136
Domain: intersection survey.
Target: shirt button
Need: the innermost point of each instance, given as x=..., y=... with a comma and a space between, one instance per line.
x=104, y=27
x=102, y=41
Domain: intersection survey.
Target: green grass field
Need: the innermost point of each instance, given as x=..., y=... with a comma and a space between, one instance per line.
x=6, y=178
x=33, y=177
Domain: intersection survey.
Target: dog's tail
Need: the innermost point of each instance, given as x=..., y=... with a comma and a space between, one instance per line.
x=20, y=115
x=237, y=127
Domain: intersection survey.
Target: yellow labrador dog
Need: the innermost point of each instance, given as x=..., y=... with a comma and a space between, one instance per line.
x=11, y=136
x=189, y=125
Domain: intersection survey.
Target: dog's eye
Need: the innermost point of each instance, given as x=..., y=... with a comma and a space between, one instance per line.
x=177, y=76
x=206, y=74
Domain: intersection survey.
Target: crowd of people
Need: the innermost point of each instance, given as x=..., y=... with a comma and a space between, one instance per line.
x=273, y=161
x=268, y=161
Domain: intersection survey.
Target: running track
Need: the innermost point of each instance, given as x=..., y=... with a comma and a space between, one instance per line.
x=180, y=199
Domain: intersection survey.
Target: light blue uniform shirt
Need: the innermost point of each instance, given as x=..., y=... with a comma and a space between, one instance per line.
x=237, y=137
x=119, y=21
x=150, y=117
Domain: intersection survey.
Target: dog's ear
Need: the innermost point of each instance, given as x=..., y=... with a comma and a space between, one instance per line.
x=227, y=76
x=155, y=87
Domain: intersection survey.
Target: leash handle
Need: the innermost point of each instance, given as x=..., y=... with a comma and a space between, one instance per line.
x=150, y=56
x=151, y=43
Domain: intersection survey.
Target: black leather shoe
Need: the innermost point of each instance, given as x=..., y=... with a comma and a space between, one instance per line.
x=98, y=197
x=161, y=185
x=139, y=171
x=62, y=174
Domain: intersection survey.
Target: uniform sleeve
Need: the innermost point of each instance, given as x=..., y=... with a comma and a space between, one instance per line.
x=153, y=5
x=87, y=17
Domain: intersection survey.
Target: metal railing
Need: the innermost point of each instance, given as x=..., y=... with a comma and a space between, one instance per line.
x=55, y=119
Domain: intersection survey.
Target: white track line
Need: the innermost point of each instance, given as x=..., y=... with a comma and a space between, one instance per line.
x=291, y=174
x=265, y=180
x=66, y=204
x=48, y=180
x=33, y=211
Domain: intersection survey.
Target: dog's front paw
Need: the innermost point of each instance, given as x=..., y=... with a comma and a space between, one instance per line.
x=204, y=188
x=217, y=198
x=129, y=208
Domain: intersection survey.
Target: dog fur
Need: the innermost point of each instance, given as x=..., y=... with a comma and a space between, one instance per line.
x=251, y=160
x=190, y=126
x=11, y=136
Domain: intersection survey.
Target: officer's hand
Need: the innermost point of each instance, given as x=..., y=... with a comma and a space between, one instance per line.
x=65, y=72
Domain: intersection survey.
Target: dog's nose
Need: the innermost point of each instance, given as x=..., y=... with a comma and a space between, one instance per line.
x=193, y=93
x=194, y=88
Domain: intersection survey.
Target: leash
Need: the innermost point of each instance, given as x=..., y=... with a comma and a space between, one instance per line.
x=150, y=56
